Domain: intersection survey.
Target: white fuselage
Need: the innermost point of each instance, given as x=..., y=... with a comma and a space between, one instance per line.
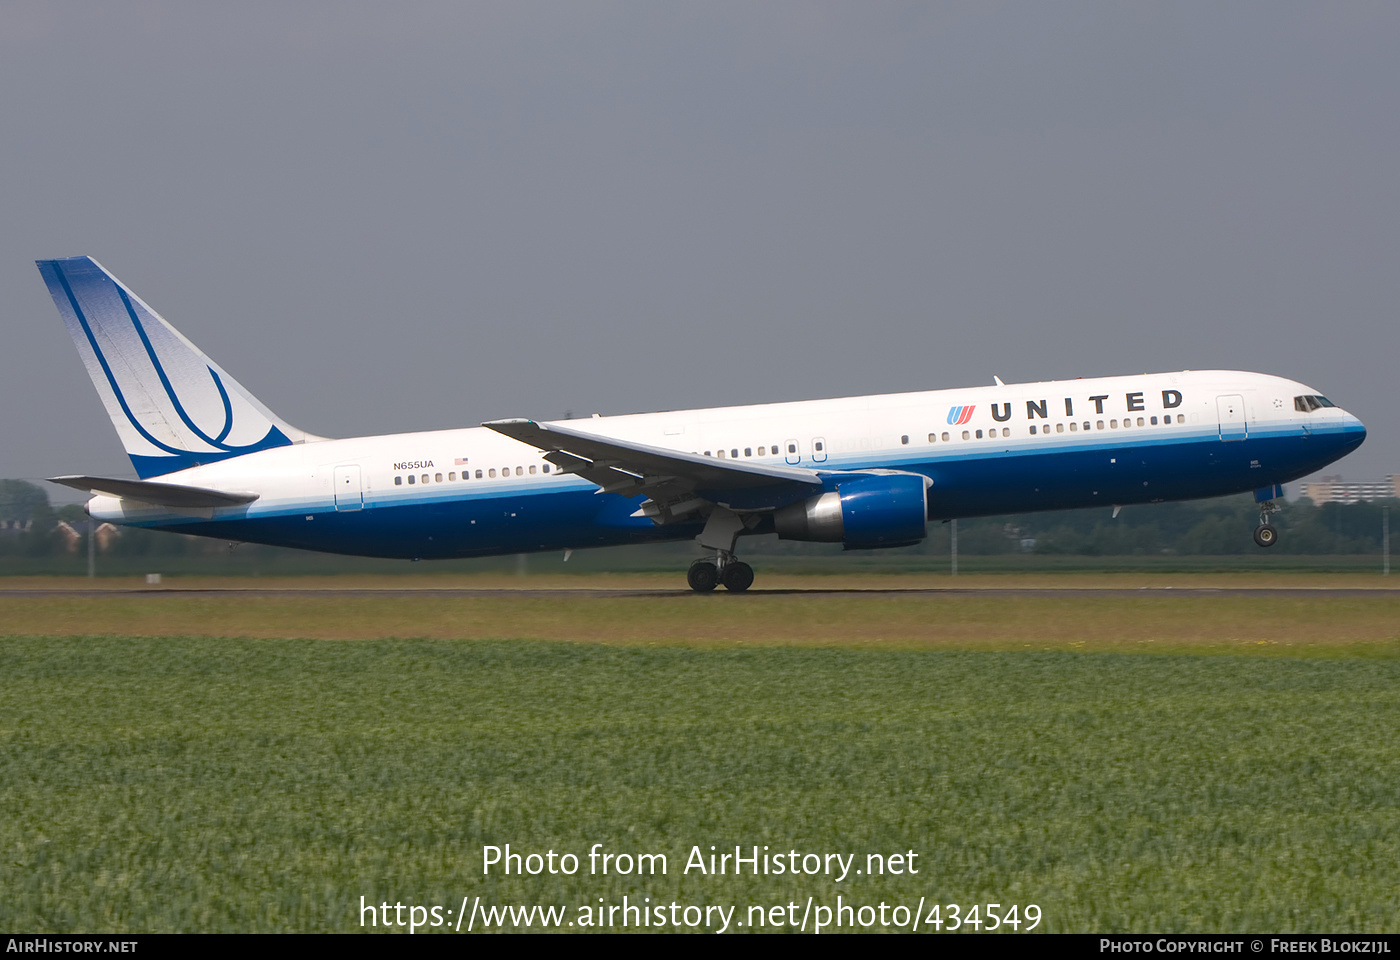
x=1199, y=417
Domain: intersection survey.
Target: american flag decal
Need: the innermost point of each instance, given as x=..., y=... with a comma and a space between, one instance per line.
x=459, y=461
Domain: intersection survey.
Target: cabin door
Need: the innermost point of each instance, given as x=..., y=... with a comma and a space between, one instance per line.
x=1232, y=420
x=349, y=494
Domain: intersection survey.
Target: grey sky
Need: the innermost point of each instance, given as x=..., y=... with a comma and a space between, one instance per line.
x=389, y=217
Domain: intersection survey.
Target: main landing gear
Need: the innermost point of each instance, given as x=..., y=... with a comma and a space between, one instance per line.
x=722, y=530
x=1266, y=534
x=706, y=574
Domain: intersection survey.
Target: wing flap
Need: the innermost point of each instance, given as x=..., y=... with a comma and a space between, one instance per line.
x=158, y=494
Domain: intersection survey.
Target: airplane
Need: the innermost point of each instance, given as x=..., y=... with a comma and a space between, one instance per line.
x=866, y=472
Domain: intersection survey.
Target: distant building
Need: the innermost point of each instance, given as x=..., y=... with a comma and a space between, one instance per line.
x=74, y=533
x=1337, y=490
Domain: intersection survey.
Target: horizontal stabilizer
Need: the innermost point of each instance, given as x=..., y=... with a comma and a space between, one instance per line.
x=159, y=494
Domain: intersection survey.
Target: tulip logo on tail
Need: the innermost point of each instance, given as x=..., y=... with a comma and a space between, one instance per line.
x=957, y=416
x=171, y=405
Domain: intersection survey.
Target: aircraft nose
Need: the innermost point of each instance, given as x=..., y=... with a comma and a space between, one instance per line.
x=1353, y=427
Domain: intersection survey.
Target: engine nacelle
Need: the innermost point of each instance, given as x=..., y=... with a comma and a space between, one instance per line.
x=883, y=511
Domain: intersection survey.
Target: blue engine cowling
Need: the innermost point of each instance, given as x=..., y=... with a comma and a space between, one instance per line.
x=862, y=513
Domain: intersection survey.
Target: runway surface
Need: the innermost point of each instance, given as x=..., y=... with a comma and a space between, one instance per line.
x=156, y=593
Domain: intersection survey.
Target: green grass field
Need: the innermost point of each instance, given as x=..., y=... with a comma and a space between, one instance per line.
x=198, y=782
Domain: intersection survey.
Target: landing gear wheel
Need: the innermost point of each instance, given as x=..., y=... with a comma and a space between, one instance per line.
x=1265, y=535
x=737, y=576
x=703, y=576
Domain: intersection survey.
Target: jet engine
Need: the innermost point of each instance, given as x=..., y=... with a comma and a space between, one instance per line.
x=890, y=510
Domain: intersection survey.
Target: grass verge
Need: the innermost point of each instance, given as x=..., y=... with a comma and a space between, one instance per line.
x=1303, y=624
x=202, y=783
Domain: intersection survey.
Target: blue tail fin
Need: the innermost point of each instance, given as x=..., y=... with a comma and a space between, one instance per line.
x=172, y=406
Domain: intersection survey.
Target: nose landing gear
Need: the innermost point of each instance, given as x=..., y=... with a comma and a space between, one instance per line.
x=1266, y=534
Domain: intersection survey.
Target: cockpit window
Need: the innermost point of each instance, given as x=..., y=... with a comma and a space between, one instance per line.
x=1308, y=404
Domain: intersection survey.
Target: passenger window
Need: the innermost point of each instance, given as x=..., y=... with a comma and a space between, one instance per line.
x=520, y=471
x=945, y=436
x=748, y=451
x=1032, y=429
x=1181, y=418
x=546, y=468
x=492, y=473
x=819, y=446
x=708, y=454
x=1100, y=424
x=437, y=477
x=411, y=480
x=1073, y=427
x=1086, y=424
x=1006, y=431
x=979, y=434
x=933, y=438
x=1059, y=428
x=1154, y=421
x=721, y=454
x=398, y=481
x=904, y=439
x=966, y=435
x=792, y=448
x=1140, y=423
x=452, y=476
x=733, y=453
x=478, y=474
x=425, y=478
x=532, y=468
x=760, y=451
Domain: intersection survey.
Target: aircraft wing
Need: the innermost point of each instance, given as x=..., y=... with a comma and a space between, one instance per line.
x=159, y=494
x=675, y=483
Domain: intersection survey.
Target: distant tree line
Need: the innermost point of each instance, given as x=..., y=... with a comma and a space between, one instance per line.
x=1220, y=527
x=29, y=527
x=1203, y=528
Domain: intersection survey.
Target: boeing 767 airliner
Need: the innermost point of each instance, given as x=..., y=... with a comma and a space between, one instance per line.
x=861, y=471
